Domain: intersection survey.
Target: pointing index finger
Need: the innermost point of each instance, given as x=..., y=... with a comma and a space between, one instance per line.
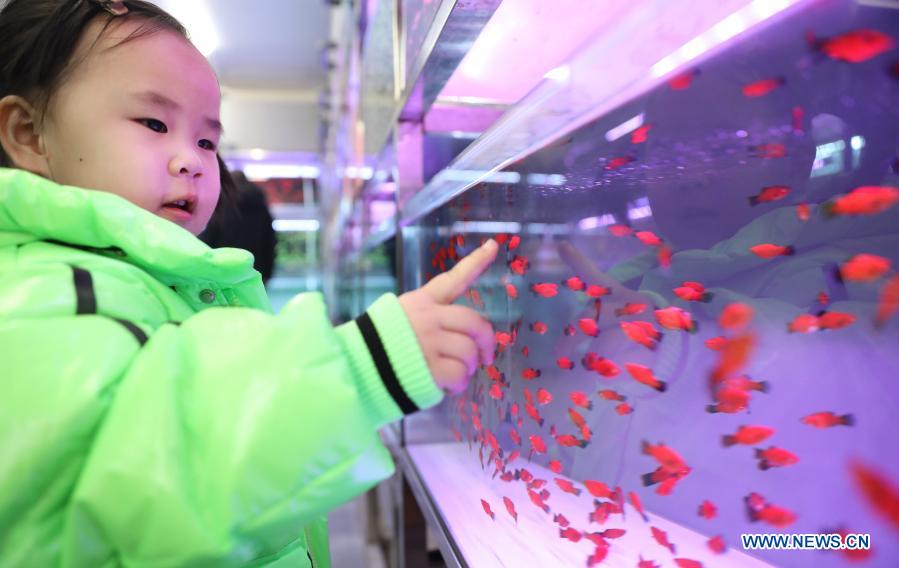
x=450, y=285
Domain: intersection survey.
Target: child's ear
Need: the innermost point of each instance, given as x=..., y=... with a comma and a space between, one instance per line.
x=20, y=137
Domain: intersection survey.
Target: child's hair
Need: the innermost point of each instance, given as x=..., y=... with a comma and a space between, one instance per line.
x=39, y=40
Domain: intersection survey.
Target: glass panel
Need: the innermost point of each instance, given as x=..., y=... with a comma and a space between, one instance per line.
x=693, y=303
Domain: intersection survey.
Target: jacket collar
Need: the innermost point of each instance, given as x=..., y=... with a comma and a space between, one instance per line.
x=33, y=208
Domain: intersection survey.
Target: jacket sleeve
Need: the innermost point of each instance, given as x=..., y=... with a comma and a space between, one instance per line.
x=215, y=441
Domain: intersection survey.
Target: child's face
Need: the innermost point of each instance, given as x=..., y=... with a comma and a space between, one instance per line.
x=140, y=120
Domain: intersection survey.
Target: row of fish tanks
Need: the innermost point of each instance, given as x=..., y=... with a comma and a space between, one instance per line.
x=695, y=319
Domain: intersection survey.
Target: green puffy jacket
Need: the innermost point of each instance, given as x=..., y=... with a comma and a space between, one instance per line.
x=155, y=413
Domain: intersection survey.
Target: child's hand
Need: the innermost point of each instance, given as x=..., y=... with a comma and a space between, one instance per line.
x=454, y=339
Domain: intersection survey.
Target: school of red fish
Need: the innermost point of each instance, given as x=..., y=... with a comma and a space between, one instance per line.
x=730, y=389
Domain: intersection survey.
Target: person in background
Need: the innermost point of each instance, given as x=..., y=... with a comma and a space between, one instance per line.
x=244, y=222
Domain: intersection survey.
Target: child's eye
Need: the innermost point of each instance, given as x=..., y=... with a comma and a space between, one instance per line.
x=154, y=125
x=206, y=145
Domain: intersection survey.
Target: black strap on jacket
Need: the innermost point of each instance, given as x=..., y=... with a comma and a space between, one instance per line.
x=382, y=362
x=86, y=302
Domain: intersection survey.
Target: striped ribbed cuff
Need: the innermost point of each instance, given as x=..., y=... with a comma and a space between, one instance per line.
x=392, y=372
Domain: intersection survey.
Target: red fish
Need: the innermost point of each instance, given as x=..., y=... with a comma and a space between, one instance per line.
x=511, y=291
x=675, y=318
x=618, y=162
x=745, y=383
x=770, y=193
x=569, y=441
x=661, y=537
x=503, y=338
x=864, y=268
x=575, y=284
x=555, y=466
x=538, y=327
x=525, y=351
x=646, y=563
x=567, y=486
x=599, y=554
x=683, y=81
x=828, y=420
x=639, y=135
x=687, y=563
x=576, y=417
x=888, y=302
x=596, y=291
x=495, y=391
x=601, y=365
x=533, y=413
x=514, y=241
x=637, y=504
x=708, y=510
x=664, y=256
x=758, y=509
x=879, y=492
x=645, y=376
x=716, y=343
x=560, y=519
x=494, y=373
x=735, y=316
x=729, y=401
x=537, y=443
x=631, y=309
x=619, y=230
x=767, y=250
x=835, y=320
x=536, y=499
x=569, y=330
x=487, y=510
x=865, y=200
x=856, y=46
x=609, y=394
x=623, y=409
x=691, y=292
x=598, y=489
x=638, y=334
x=763, y=87
x=797, y=113
x=544, y=397
x=823, y=298
x=775, y=457
x=530, y=374
x=588, y=327
x=733, y=356
x=545, y=289
x=669, y=459
x=747, y=435
x=501, y=238
x=648, y=238
x=510, y=507
x=516, y=437
x=613, y=533
x=565, y=363
x=769, y=151
x=803, y=212
x=580, y=399
x=804, y=323
x=519, y=265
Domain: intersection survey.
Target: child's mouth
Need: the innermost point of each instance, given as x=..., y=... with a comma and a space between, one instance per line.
x=178, y=211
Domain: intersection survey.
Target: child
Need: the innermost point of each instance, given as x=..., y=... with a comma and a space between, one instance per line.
x=153, y=412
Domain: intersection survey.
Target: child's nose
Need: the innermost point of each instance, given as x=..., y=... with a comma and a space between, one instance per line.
x=186, y=162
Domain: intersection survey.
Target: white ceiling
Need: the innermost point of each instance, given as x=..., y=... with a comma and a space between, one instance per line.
x=268, y=44
x=268, y=61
